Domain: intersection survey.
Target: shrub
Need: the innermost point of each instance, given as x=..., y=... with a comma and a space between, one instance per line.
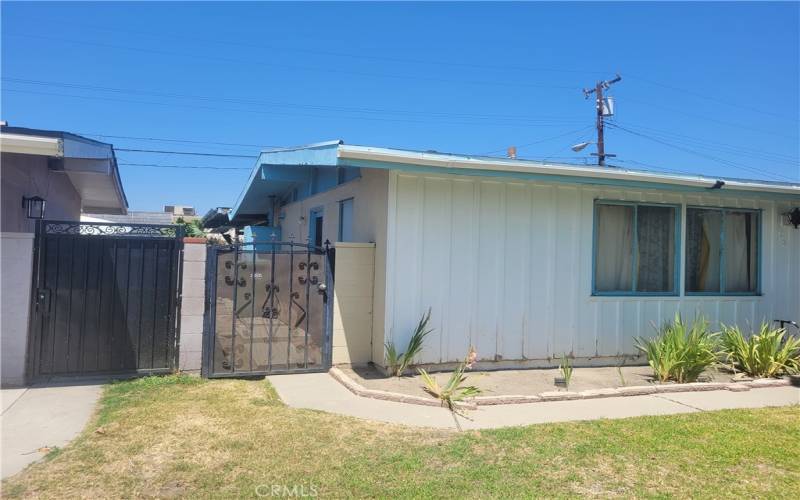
x=399, y=362
x=769, y=353
x=679, y=352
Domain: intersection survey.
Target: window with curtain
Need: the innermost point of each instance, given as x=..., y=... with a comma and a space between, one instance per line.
x=634, y=250
x=721, y=251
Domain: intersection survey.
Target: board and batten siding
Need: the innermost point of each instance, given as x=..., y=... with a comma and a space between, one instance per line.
x=506, y=266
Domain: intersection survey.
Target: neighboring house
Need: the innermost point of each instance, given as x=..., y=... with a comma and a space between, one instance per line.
x=526, y=260
x=132, y=217
x=169, y=215
x=44, y=174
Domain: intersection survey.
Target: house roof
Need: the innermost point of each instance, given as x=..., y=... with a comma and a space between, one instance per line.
x=275, y=170
x=90, y=165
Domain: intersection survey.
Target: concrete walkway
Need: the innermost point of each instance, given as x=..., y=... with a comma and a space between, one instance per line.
x=42, y=416
x=319, y=391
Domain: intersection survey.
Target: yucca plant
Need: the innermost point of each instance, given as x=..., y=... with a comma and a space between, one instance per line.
x=680, y=352
x=566, y=370
x=769, y=353
x=455, y=389
x=399, y=362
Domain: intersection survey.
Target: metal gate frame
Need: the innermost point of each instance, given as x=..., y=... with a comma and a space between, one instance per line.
x=133, y=231
x=209, y=317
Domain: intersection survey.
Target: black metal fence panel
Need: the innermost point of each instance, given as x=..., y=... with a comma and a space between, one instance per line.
x=268, y=310
x=105, y=298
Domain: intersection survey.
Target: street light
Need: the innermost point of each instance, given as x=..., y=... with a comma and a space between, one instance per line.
x=580, y=146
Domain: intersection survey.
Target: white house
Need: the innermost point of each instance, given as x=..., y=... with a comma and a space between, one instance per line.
x=527, y=260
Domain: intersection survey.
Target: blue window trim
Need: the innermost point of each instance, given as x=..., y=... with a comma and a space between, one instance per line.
x=676, y=254
x=759, y=253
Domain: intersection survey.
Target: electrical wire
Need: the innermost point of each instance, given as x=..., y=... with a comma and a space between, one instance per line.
x=703, y=155
x=250, y=101
x=542, y=140
x=250, y=62
x=711, y=98
x=274, y=113
x=158, y=165
x=190, y=153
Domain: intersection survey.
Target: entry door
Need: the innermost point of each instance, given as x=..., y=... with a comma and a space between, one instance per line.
x=105, y=299
x=315, y=227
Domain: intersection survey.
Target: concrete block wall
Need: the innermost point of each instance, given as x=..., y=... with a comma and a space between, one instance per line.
x=16, y=270
x=352, y=303
x=193, y=304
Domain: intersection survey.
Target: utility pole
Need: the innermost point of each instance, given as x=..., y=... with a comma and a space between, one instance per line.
x=598, y=91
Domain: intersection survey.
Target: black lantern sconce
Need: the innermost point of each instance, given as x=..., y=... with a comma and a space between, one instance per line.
x=35, y=206
x=793, y=217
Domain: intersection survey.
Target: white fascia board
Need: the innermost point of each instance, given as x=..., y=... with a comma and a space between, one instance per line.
x=31, y=145
x=521, y=166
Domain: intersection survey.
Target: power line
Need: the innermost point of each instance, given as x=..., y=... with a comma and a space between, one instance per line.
x=185, y=141
x=273, y=113
x=703, y=155
x=191, y=153
x=721, y=146
x=295, y=67
x=158, y=165
x=351, y=55
x=714, y=120
x=314, y=107
x=542, y=140
x=714, y=99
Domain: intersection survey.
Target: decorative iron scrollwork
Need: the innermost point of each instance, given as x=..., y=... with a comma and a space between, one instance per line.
x=111, y=229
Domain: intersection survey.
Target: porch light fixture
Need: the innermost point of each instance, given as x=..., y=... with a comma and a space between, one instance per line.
x=792, y=217
x=35, y=206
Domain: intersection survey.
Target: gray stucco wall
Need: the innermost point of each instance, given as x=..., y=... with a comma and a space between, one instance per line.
x=28, y=175
x=16, y=256
x=192, y=304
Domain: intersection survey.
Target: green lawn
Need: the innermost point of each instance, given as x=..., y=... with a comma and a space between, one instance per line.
x=181, y=436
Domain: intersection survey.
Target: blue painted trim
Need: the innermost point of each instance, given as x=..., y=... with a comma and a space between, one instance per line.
x=722, y=260
x=567, y=179
x=634, y=258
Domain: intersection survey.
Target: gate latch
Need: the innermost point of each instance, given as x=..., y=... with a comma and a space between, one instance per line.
x=43, y=300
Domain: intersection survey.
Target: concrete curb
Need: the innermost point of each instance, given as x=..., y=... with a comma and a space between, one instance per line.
x=637, y=390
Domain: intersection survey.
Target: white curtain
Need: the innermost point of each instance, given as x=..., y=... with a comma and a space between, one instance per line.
x=740, y=262
x=614, y=248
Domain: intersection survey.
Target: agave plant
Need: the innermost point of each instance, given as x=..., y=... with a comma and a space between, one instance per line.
x=565, y=367
x=680, y=352
x=399, y=362
x=455, y=389
x=769, y=353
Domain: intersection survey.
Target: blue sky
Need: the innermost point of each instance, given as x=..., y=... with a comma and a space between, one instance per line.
x=707, y=88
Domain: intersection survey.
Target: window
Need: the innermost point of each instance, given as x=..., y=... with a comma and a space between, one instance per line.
x=722, y=251
x=635, y=249
x=346, y=220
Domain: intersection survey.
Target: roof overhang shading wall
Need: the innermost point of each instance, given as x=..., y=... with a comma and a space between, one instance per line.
x=276, y=170
x=90, y=165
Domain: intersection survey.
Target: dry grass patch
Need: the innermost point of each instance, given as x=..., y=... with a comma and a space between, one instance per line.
x=186, y=437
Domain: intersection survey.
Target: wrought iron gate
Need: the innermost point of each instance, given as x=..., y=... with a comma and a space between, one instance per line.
x=105, y=298
x=267, y=310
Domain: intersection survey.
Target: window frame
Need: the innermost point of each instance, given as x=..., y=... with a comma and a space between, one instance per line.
x=351, y=199
x=676, y=280
x=759, y=253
